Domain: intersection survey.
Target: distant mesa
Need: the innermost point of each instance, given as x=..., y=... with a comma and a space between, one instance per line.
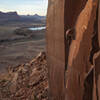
x=8, y=15
x=14, y=17
x=36, y=15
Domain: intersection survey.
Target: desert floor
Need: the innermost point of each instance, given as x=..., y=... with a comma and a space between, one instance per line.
x=17, y=49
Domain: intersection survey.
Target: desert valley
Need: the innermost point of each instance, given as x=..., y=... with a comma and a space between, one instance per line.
x=22, y=37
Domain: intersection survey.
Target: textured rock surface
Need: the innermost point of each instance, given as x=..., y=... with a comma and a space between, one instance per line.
x=82, y=16
x=79, y=55
x=56, y=49
x=26, y=82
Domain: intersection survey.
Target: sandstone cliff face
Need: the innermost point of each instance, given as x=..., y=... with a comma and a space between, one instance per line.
x=26, y=82
x=81, y=57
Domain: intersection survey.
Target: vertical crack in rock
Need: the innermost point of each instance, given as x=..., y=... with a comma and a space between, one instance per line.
x=88, y=86
x=79, y=80
x=95, y=43
x=96, y=60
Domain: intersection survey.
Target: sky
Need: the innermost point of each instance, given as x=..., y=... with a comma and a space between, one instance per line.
x=24, y=7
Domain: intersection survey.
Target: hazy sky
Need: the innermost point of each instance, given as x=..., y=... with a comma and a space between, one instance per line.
x=24, y=7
